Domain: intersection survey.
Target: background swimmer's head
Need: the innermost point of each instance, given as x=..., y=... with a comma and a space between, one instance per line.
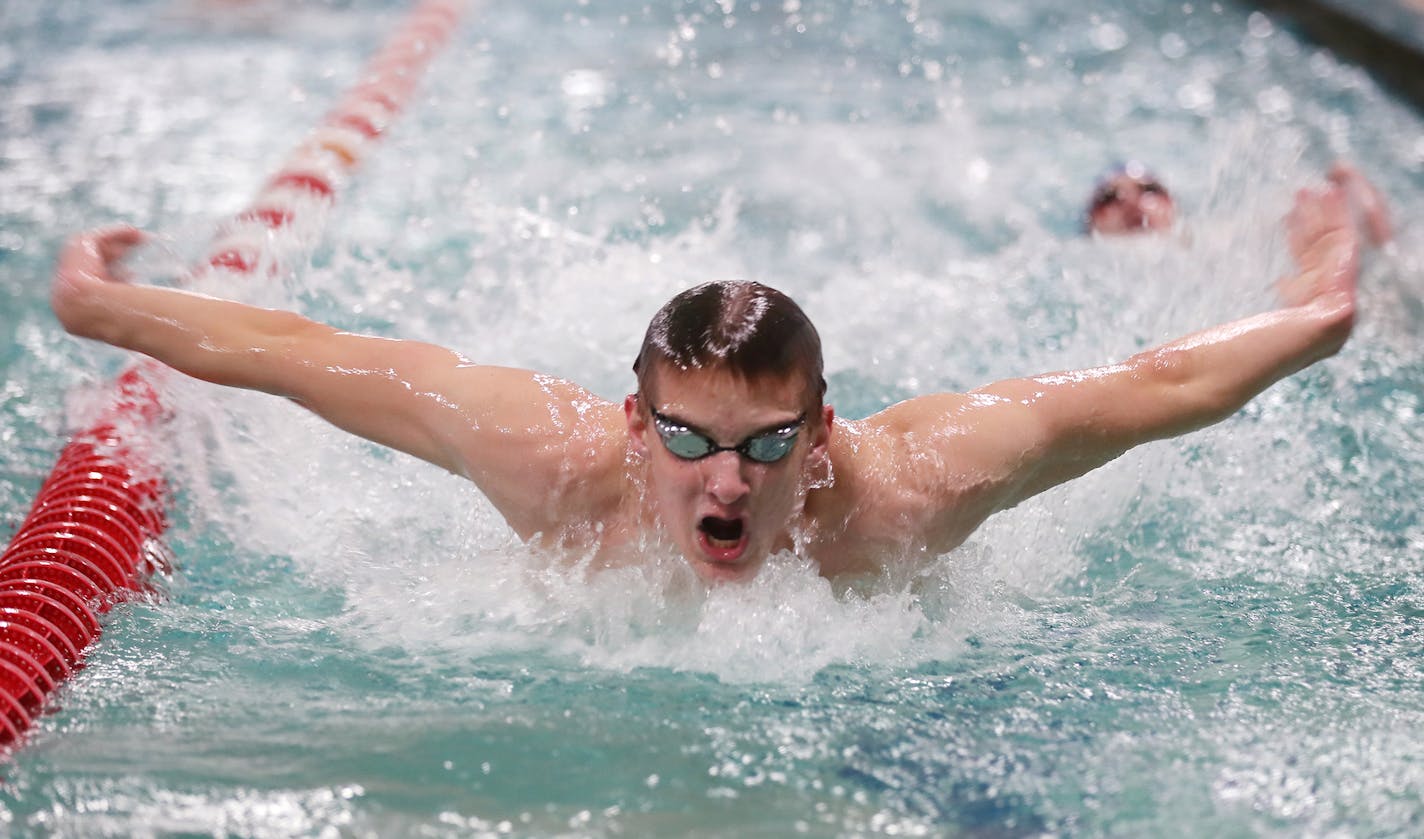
x=748, y=329
x=1129, y=199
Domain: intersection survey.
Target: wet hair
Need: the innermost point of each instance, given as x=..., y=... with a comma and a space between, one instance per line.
x=746, y=328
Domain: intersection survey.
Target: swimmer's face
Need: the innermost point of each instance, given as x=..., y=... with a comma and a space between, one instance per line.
x=727, y=511
x=1127, y=203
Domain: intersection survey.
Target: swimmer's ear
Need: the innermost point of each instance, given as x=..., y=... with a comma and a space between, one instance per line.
x=817, y=471
x=637, y=424
x=821, y=434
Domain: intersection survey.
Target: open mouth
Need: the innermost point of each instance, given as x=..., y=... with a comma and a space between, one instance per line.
x=722, y=539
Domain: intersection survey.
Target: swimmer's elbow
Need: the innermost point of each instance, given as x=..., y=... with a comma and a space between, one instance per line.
x=1153, y=395
x=291, y=332
x=275, y=353
x=1198, y=384
x=1185, y=394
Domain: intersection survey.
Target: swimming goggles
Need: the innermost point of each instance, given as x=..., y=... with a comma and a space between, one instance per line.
x=1108, y=193
x=766, y=447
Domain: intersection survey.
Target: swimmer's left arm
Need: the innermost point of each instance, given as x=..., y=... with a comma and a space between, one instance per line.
x=1082, y=419
x=1014, y=439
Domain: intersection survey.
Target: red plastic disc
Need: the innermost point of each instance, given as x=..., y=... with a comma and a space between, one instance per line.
x=52, y=609
x=77, y=605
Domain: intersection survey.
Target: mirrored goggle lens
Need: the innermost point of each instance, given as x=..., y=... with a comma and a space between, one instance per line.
x=769, y=448
x=688, y=445
x=764, y=448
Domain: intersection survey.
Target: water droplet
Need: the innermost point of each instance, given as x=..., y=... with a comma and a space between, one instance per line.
x=1172, y=45
x=1259, y=25
x=1109, y=37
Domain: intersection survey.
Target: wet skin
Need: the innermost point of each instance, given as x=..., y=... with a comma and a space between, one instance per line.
x=726, y=512
x=565, y=467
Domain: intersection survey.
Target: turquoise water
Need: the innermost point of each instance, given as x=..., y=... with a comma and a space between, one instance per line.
x=1215, y=636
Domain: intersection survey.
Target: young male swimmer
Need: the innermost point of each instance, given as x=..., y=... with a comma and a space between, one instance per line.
x=727, y=449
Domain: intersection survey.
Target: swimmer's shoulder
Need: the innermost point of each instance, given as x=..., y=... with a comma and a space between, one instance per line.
x=913, y=476
x=561, y=459
x=909, y=436
x=875, y=494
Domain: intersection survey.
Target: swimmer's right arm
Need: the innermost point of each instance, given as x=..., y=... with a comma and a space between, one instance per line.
x=508, y=430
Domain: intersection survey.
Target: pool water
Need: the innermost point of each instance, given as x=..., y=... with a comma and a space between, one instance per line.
x=1213, y=636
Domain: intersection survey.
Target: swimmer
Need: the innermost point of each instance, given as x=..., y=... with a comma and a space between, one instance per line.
x=727, y=452
x=1129, y=199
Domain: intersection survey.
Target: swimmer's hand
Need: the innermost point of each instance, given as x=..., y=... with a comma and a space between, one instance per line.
x=1326, y=246
x=1366, y=202
x=87, y=266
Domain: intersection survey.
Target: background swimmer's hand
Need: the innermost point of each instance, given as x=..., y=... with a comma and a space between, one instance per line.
x=86, y=266
x=1326, y=246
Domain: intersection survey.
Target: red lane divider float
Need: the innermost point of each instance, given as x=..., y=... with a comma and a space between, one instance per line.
x=92, y=535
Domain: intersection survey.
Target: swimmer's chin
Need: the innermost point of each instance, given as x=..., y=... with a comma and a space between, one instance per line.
x=713, y=572
x=572, y=549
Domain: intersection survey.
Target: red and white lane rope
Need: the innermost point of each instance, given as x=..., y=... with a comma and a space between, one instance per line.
x=92, y=533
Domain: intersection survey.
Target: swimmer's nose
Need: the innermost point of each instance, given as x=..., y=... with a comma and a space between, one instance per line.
x=725, y=482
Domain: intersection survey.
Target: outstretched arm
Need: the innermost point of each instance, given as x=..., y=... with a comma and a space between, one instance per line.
x=1011, y=440
x=505, y=429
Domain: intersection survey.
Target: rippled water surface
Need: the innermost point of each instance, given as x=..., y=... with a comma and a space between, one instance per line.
x=1214, y=636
